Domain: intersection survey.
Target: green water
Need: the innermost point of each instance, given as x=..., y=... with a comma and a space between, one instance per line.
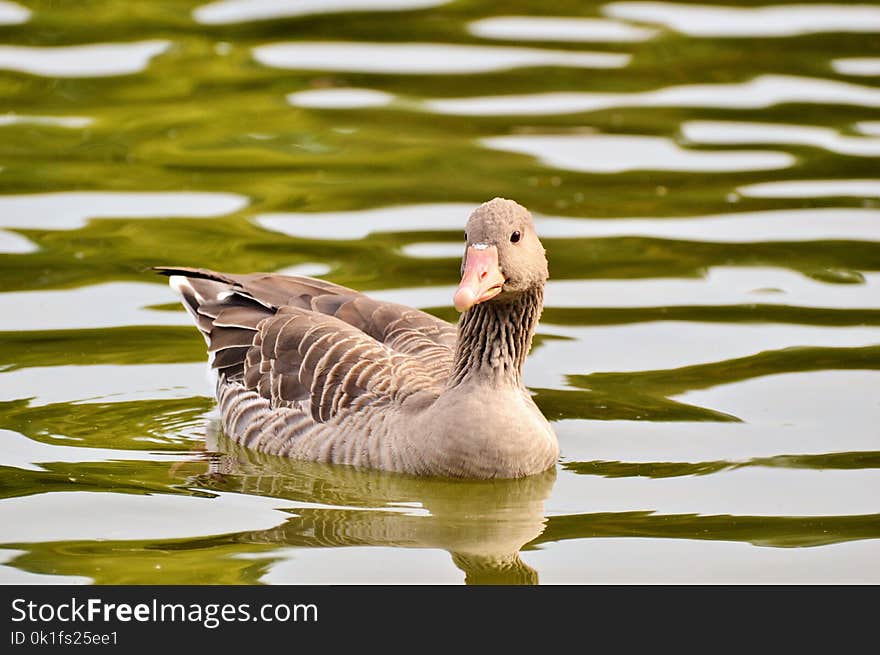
x=709, y=354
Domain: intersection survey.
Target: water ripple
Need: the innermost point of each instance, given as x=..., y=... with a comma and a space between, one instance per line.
x=27, y=454
x=644, y=557
x=105, y=515
x=15, y=244
x=423, y=58
x=551, y=28
x=72, y=122
x=107, y=383
x=722, y=285
x=813, y=189
x=871, y=128
x=784, y=225
x=754, y=491
x=225, y=12
x=770, y=21
x=93, y=60
x=733, y=133
x=12, y=13
x=110, y=304
x=867, y=66
x=735, y=227
x=760, y=92
x=340, y=98
x=72, y=209
x=617, y=153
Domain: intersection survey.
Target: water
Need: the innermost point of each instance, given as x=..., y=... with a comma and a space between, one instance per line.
x=704, y=179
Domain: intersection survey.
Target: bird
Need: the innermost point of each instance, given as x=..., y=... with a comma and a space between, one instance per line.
x=315, y=371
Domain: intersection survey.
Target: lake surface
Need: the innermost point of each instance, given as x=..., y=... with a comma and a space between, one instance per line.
x=706, y=182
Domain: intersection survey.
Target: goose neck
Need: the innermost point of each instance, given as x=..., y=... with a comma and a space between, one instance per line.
x=494, y=339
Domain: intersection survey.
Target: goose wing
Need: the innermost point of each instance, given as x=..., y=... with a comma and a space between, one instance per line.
x=297, y=339
x=400, y=327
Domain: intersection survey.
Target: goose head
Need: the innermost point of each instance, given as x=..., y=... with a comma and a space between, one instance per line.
x=503, y=256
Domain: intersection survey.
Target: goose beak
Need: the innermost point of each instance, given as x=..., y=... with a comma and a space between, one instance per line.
x=481, y=279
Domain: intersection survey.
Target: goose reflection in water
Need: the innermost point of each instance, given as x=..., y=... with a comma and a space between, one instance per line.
x=482, y=524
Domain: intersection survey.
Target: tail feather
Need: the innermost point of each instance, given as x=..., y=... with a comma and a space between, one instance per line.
x=191, y=302
x=226, y=316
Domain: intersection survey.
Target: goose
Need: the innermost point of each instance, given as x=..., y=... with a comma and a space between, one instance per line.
x=311, y=370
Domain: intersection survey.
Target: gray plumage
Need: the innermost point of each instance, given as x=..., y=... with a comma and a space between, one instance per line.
x=315, y=371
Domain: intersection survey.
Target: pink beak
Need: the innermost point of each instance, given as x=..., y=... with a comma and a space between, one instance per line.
x=481, y=280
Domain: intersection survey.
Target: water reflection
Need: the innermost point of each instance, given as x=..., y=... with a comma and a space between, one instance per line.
x=720, y=286
x=28, y=454
x=224, y=12
x=617, y=153
x=71, y=122
x=15, y=244
x=772, y=21
x=101, y=305
x=309, y=269
x=358, y=224
x=867, y=66
x=871, y=128
x=93, y=60
x=340, y=98
x=12, y=13
x=551, y=28
x=813, y=189
x=423, y=58
x=762, y=91
x=482, y=524
x=659, y=346
x=729, y=132
x=71, y=210
x=107, y=515
x=787, y=225
x=106, y=383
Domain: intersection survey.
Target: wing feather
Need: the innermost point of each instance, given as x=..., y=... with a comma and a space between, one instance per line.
x=375, y=318
x=301, y=340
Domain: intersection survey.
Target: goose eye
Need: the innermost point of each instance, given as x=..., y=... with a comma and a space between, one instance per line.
x=465, y=236
x=516, y=236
